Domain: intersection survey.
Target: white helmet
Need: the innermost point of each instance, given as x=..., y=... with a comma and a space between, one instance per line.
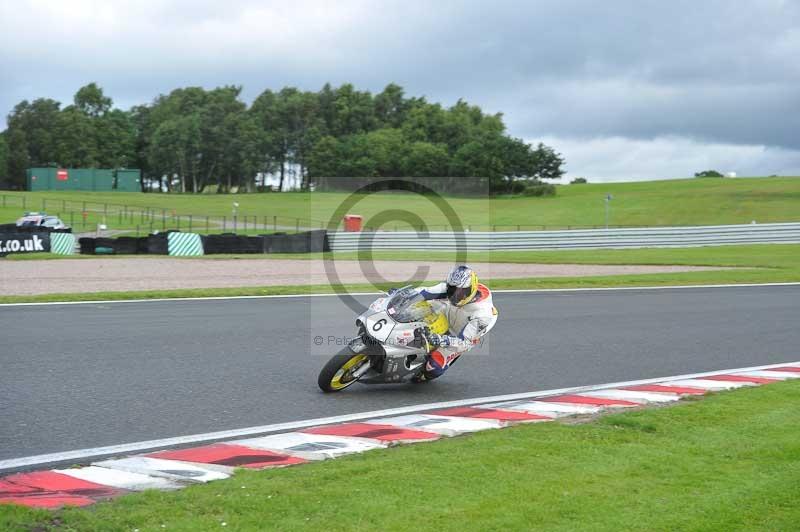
x=462, y=285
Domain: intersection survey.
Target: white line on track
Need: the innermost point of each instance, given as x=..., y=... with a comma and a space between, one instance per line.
x=86, y=455
x=510, y=291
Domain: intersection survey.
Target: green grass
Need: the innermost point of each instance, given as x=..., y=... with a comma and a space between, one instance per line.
x=673, y=202
x=194, y=292
x=763, y=263
x=755, y=255
x=730, y=461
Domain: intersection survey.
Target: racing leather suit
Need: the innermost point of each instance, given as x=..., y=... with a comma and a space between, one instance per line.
x=468, y=324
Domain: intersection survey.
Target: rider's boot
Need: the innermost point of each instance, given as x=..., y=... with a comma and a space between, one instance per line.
x=435, y=366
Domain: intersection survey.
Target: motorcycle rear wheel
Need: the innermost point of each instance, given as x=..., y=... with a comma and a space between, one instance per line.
x=336, y=375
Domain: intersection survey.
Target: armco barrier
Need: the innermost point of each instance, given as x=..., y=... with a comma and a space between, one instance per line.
x=574, y=239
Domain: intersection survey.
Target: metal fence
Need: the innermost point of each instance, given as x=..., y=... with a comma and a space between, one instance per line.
x=87, y=216
x=575, y=239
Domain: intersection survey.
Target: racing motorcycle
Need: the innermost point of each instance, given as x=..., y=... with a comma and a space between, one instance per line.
x=391, y=345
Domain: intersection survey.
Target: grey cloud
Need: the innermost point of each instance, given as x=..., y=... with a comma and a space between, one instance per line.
x=748, y=114
x=714, y=71
x=623, y=159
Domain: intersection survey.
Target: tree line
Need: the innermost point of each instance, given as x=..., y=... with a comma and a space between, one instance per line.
x=192, y=137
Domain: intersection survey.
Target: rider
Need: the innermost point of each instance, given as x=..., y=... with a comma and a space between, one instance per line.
x=470, y=313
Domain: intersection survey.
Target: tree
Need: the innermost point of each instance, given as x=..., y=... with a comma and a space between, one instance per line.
x=324, y=159
x=425, y=123
x=356, y=160
x=464, y=123
x=517, y=156
x=139, y=117
x=272, y=143
x=327, y=109
x=390, y=106
x=116, y=139
x=386, y=148
x=547, y=163
x=292, y=123
x=32, y=135
x=161, y=147
x=305, y=129
x=353, y=112
x=3, y=158
x=243, y=156
x=240, y=157
x=210, y=136
x=207, y=135
x=77, y=141
x=474, y=160
x=175, y=149
x=708, y=173
x=426, y=160
x=86, y=134
x=18, y=158
x=219, y=118
x=90, y=100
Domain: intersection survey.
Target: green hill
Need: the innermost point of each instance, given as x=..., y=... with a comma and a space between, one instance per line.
x=671, y=202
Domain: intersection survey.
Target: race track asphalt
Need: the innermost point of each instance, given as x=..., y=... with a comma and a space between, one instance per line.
x=78, y=376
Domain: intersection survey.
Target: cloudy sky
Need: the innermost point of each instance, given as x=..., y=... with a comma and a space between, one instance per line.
x=624, y=89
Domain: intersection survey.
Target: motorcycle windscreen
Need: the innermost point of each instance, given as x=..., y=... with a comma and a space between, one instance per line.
x=408, y=305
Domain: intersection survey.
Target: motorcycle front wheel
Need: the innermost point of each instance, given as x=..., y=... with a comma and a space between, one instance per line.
x=337, y=374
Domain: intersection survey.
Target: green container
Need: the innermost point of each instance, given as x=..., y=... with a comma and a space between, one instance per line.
x=58, y=179
x=102, y=179
x=74, y=179
x=128, y=180
x=98, y=179
x=40, y=178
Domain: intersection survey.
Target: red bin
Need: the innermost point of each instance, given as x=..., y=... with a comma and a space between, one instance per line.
x=352, y=222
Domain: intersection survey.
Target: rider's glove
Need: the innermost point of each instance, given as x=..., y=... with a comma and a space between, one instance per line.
x=392, y=291
x=438, y=340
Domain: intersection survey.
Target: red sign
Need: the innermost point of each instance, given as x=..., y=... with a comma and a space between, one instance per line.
x=62, y=175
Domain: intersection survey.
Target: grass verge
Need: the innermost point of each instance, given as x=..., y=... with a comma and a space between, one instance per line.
x=730, y=461
x=632, y=281
x=754, y=255
x=763, y=263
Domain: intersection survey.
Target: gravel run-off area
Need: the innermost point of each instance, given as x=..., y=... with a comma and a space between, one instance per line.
x=127, y=274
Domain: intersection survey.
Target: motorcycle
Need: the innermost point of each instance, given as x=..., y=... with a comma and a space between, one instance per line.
x=391, y=345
